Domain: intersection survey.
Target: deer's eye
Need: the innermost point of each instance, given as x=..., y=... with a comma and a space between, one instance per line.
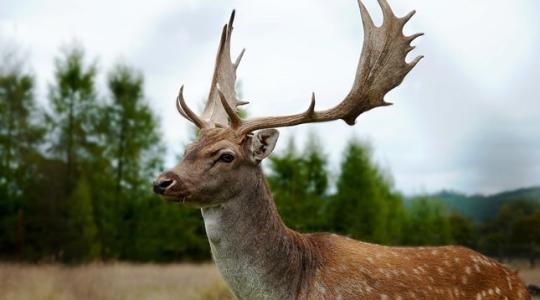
x=226, y=157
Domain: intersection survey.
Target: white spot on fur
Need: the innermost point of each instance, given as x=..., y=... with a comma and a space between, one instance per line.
x=468, y=270
x=384, y=297
x=497, y=291
x=509, y=283
x=321, y=288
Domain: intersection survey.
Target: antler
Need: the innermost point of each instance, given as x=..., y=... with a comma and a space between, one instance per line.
x=381, y=68
x=224, y=78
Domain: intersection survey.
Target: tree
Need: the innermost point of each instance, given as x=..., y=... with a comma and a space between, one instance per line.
x=134, y=142
x=364, y=206
x=396, y=219
x=427, y=223
x=462, y=230
x=506, y=233
x=82, y=245
x=20, y=136
x=133, y=153
x=299, y=182
x=73, y=103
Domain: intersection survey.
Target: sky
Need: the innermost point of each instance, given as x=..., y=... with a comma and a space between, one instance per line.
x=467, y=118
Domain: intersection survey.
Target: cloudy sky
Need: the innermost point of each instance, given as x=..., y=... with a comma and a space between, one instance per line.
x=466, y=118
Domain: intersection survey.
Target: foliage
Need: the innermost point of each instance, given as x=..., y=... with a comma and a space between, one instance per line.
x=299, y=182
x=75, y=183
x=82, y=245
x=364, y=206
x=20, y=136
x=427, y=223
x=462, y=230
x=480, y=208
x=513, y=230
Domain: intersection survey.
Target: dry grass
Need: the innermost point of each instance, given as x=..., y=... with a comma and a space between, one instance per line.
x=111, y=281
x=531, y=276
x=130, y=281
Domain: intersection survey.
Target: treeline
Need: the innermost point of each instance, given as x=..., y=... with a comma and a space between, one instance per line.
x=363, y=204
x=76, y=173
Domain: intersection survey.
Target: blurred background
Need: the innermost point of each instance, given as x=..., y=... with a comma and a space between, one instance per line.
x=87, y=120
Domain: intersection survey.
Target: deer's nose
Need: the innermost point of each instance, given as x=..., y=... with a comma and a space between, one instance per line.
x=161, y=185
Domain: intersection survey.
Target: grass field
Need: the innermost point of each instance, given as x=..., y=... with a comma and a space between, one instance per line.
x=111, y=281
x=126, y=281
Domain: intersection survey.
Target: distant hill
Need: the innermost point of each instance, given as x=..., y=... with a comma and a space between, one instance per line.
x=481, y=207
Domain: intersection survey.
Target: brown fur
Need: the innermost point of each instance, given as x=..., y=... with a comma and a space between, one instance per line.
x=320, y=265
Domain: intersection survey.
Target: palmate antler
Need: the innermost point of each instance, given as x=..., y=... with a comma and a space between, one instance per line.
x=224, y=78
x=381, y=68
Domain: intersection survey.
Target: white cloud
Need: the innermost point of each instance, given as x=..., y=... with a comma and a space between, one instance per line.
x=477, y=83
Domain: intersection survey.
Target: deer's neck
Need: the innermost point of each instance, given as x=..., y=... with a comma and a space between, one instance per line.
x=258, y=256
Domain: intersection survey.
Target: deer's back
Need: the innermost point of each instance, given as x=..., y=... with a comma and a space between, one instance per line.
x=349, y=269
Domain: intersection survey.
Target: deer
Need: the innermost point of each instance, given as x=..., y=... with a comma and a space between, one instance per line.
x=258, y=256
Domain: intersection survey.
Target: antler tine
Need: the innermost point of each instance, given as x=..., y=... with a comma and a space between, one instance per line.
x=381, y=68
x=386, y=9
x=239, y=58
x=233, y=116
x=215, y=113
x=186, y=112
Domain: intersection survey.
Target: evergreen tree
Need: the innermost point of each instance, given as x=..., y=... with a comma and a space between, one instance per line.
x=428, y=223
x=396, y=219
x=72, y=121
x=299, y=182
x=129, y=134
x=134, y=141
x=462, y=230
x=73, y=138
x=503, y=234
x=363, y=201
x=81, y=245
x=20, y=137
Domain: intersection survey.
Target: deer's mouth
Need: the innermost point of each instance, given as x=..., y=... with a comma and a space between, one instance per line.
x=182, y=197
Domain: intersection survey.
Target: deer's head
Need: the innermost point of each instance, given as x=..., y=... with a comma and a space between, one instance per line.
x=210, y=170
x=228, y=150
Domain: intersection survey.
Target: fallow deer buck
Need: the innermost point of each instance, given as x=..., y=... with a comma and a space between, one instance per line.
x=258, y=256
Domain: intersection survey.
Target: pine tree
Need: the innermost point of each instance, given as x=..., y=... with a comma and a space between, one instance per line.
x=428, y=223
x=134, y=141
x=134, y=152
x=73, y=138
x=20, y=136
x=81, y=244
x=299, y=182
x=363, y=202
x=73, y=102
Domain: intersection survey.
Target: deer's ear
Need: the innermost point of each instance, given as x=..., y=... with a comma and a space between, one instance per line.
x=263, y=143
